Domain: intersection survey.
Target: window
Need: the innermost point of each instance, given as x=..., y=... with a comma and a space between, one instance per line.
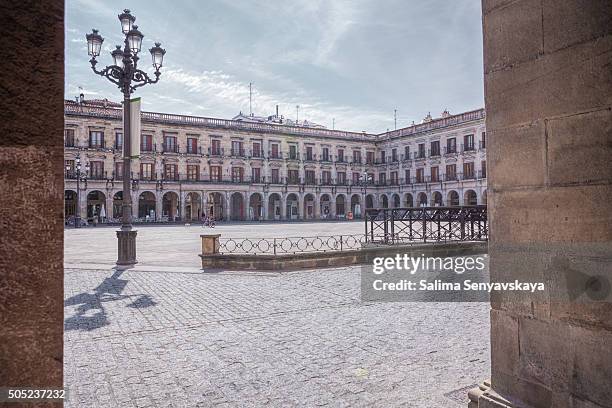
x=341, y=155
x=237, y=148
x=451, y=145
x=274, y=154
x=96, y=139
x=326, y=176
x=293, y=152
x=237, y=174
x=483, y=140
x=468, y=142
x=69, y=137
x=170, y=172
x=407, y=175
x=170, y=144
x=96, y=169
x=256, y=174
x=146, y=171
x=468, y=170
x=118, y=171
x=325, y=154
x=356, y=176
x=341, y=178
x=275, y=176
x=420, y=175
x=382, y=178
x=215, y=147
x=435, y=174
x=309, y=153
x=310, y=177
x=394, y=155
x=421, y=151
x=394, y=178
x=369, y=157
x=215, y=173
x=383, y=157
x=69, y=168
x=192, y=145
x=118, y=140
x=193, y=172
x=483, y=169
x=293, y=176
x=406, y=152
x=256, y=149
x=146, y=143
x=451, y=172
x=435, y=148
x=356, y=156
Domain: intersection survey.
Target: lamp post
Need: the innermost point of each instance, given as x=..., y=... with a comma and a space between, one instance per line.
x=79, y=176
x=125, y=74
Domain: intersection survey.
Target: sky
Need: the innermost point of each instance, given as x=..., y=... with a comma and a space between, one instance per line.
x=348, y=62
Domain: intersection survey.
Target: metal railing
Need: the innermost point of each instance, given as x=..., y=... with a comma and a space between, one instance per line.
x=291, y=245
x=426, y=224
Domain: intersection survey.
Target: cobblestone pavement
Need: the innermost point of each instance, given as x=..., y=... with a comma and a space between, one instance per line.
x=197, y=339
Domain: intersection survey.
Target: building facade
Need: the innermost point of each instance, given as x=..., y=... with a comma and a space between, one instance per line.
x=247, y=170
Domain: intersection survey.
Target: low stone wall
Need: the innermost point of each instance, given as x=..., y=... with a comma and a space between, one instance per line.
x=312, y=260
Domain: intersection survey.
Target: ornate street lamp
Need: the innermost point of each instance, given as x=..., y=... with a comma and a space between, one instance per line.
x=79, y=176
x=125, y=74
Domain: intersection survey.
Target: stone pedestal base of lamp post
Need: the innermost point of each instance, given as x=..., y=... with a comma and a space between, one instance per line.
x=126, y=240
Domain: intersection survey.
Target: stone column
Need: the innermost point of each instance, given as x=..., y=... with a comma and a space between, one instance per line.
x=317, y=206
x=109, y=204
x=158, y=205
x=547, y=94
x=301, y=206
x=284, y=207
x=31, y=150
x=227, y=208
x=183, y=206
x=265, y=206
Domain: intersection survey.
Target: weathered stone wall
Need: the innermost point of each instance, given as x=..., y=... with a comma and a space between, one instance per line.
x=31, y=203
x=548, y=97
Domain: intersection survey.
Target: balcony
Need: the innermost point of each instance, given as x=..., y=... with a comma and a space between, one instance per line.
x=97, y=176
x=482, y=174
x=196, y=152
x=92, y=145
x=419, y=155
x=482, y=145
x=469, y=176
x=237, y=153
x=450, y=150
x=451, y=177
x=215, y=152
x=325, y=159
x=256, y=154
x=147, y=177
x=293, y=156
x=434, y=153
x=275, y=155
x=468, y=148
x=341, y=160
x=310, y=157
x=69, y=143
x=170, y=148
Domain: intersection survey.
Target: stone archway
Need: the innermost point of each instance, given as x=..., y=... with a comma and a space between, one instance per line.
x=369, y=201
x=292, y=207
x=453, y=198
x=397, y=202
x=256, y=207
x=96, y=206
x=70, y=204
x=384, y=201
x=436, y=199
x=356, y=205
x=325, y=203
x=470, y=198
x=170, y=206
x=340, y=205
x=408, y=200
x=309, y=206
x=146, y=206
x=193, y=207
x=117, y=205
x=237, y=212
x=422, y=199
x=216, y=205
x=274, y=206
